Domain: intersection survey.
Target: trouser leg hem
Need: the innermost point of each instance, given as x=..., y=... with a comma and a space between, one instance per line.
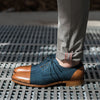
x=74, y=56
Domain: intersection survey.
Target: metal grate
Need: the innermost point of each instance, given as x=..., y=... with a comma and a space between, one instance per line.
x=24, y=45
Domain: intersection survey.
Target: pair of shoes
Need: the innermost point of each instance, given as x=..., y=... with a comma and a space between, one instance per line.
x=49, y=73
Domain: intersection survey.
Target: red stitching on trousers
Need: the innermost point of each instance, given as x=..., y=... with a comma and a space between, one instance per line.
x=70, y=56
x=65, y=56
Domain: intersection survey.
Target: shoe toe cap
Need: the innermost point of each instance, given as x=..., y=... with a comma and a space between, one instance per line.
x=21, y=77
x=23, y=69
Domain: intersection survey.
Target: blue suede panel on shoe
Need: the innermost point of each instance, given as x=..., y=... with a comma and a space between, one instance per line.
x=48, y=58
x=51, y=72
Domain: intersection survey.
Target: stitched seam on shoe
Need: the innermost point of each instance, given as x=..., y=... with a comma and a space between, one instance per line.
x=56, y=73
x=44, y=64
x=58, y=67
x=51, y=75
x=46, y=60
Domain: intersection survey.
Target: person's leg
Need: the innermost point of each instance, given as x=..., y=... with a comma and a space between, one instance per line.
x=72, y=22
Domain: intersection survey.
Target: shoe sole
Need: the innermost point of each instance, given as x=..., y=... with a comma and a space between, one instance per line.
x=68, y=83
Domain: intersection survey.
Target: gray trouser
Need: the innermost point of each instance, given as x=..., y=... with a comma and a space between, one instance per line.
x=72, y=23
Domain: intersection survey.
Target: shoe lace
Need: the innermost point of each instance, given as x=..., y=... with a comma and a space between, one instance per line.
x=51, y=60
x=47, y=60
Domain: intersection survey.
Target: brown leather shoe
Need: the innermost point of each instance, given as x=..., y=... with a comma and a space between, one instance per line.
x=50, y=74
x=23, y=69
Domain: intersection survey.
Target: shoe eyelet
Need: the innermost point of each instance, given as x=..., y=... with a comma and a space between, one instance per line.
x=44, y=64
x=43, y=68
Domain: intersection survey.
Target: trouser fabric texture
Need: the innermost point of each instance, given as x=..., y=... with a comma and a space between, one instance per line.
x=72, y=24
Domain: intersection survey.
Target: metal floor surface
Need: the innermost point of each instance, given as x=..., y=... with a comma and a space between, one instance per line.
x=24, y=45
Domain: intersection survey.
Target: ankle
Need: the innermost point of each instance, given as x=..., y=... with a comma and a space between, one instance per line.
x=66, y=63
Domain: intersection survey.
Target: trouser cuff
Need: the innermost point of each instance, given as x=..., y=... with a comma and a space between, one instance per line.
x=74, y=56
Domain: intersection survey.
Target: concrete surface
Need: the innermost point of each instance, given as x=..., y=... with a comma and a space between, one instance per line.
x=31, y=18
